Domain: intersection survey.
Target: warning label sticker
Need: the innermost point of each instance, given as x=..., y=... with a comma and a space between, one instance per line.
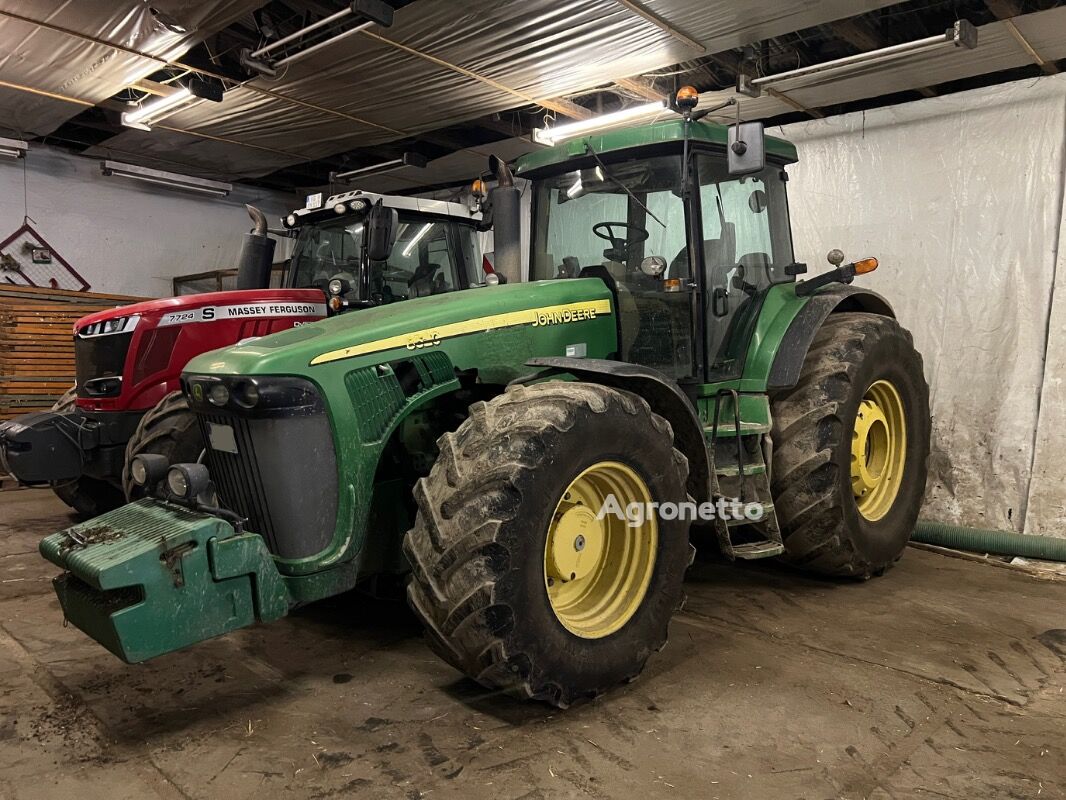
x=243, y=311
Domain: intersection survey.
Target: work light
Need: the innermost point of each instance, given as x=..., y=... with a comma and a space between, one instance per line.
x=186, y=481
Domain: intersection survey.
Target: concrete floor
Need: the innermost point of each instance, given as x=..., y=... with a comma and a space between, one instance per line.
x=943, y=679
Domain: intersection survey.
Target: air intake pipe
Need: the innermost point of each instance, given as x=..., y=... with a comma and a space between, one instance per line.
x=257, y=254
x=505, y=200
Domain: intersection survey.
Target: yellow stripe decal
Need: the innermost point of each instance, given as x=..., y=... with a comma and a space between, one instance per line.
x=430, y=337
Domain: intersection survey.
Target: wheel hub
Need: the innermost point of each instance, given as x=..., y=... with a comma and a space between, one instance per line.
x=878, y=450
x=576, y=545
x=596, y=571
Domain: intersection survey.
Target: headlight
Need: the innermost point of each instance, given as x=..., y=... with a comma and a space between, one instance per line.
x=188, y=481
x=359, y=205
x=335, y=286
x=290, y=221
x=177, y=482
x=219, y=394
x=340, y=208
x=247, y=394
x=261, y=396
x=148, y=469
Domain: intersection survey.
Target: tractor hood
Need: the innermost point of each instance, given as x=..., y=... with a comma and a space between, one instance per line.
x=479, y=327
x=247, y=304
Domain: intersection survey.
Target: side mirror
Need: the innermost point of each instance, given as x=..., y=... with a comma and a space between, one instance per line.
x=746, y=148
x=381, y=225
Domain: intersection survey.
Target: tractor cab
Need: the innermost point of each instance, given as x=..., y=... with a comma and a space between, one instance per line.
x=365, y=249
x=688, y=251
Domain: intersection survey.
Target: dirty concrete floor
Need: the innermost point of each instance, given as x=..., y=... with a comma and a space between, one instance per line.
x=943, y=679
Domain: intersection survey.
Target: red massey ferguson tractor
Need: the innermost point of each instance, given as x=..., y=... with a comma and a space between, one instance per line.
x=128, y=361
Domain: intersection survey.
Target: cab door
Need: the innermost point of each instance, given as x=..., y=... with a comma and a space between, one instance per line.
x=746, y=246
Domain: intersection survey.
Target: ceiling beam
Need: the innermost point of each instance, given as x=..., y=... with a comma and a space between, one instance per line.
x=640, y=87
x=641, y=10
x=1005, y=11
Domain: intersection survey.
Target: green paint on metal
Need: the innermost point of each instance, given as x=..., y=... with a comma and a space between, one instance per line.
x=670, y=130
x=139, y=579
x=497, y=355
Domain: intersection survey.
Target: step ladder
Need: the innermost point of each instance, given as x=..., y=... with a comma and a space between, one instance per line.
x=742, y=451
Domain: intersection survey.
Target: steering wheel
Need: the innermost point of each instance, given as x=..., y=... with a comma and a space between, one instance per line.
x=619, y=249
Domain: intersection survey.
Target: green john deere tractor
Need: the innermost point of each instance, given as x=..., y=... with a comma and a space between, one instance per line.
x=537, y=454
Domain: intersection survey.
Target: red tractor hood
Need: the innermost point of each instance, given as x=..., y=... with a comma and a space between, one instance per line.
x=229, y=305
x=129, y=358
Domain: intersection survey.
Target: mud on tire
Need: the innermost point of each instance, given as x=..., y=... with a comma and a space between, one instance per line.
x=822, y=528
x=477, y=548
x=169, y=429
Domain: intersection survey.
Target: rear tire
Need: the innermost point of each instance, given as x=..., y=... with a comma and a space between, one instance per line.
x=90, y=497
x=170, y=429
x=487, y=511
x=823, y=527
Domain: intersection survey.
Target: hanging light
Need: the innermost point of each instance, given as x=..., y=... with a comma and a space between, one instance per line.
x=560, y=133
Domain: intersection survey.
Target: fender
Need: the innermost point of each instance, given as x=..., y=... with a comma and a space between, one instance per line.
x=663, y=395
x=792, y=350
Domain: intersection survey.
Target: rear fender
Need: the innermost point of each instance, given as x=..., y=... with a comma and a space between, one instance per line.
x=793, y=346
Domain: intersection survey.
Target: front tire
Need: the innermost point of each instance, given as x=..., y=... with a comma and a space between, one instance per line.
x=851, y=441
x=169, y=429
x=505, y=514
x=90, y=497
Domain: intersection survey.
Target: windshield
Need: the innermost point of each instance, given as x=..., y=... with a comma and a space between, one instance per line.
x=430, y=256
x=586, y=218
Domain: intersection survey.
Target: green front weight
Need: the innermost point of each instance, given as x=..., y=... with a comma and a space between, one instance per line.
x=150, y=578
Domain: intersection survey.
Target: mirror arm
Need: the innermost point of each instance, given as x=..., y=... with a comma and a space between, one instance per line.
x=842, y=274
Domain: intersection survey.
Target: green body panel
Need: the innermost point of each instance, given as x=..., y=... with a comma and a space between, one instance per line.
x=362, y=397
x=671, y=130
x=150, y=578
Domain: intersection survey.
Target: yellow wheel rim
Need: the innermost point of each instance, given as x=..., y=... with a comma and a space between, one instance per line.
x=878, y=450
x=597, y=571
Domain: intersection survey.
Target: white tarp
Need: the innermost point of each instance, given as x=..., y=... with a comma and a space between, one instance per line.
x=960, y=198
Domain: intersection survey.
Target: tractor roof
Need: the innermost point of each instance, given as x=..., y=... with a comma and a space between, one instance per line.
x=671, y=130
x=419, y=205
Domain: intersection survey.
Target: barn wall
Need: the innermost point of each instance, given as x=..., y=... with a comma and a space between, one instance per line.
x=960, y=197
x=122, y=235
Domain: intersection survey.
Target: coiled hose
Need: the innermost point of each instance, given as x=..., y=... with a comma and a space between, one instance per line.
x=978, y=540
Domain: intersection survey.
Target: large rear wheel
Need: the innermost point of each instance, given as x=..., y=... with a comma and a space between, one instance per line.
x=521, y=581
x=169, y=429
x=90, y=497
x=851, y=441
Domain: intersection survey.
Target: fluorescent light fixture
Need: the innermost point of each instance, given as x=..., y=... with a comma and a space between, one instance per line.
x=13, y=148
x=417, y=238
x=171, y=180
x=561, y=133
x=406, y=160
x=151, y=110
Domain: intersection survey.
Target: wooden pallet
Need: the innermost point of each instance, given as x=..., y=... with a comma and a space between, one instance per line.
x=37, y=343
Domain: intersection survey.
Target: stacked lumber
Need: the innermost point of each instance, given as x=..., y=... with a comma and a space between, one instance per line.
x=37, y=344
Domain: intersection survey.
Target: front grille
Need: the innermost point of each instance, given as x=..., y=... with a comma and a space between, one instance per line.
x=283, y=477
x=98, y=357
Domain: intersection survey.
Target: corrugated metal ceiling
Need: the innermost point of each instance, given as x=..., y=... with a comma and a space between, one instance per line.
x=997, y=50
x=442, y=63
x=75, y=67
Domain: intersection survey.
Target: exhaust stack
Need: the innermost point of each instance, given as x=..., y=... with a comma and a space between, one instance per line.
x=506, y=222
x=257, y=254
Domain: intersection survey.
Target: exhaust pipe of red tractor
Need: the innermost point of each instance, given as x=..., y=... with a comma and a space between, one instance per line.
x=505, y=200
x=257, y=254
